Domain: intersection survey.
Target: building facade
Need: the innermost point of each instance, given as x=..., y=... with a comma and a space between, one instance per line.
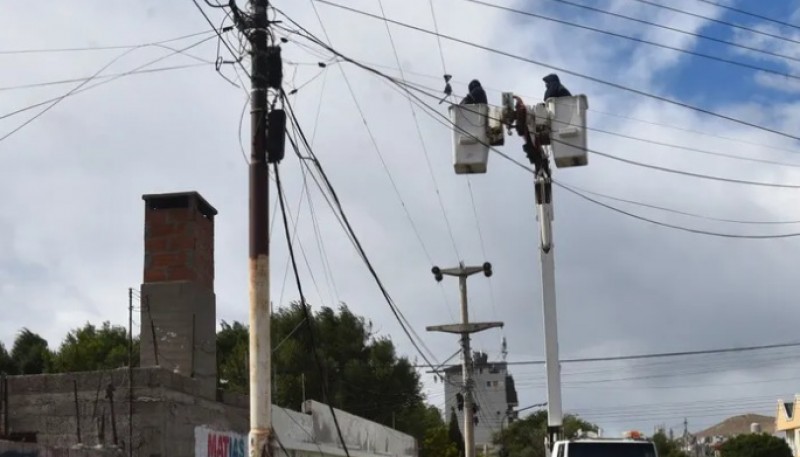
x=495, y=396
x=787, y=423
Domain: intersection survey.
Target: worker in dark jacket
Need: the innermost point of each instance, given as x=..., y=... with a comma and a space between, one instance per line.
x=554, y=87
x=476, y=94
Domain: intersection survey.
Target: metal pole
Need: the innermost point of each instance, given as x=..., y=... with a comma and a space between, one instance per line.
x=130, y=372
x=545, y=216
x=466, y=372
x=260, y=350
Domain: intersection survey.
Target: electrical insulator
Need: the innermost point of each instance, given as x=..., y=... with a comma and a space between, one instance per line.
x=274, y=67
x=460, y=401
x=276, y=135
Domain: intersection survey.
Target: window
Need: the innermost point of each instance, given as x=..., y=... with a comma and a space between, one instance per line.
x=610, y=449
x=488, y=383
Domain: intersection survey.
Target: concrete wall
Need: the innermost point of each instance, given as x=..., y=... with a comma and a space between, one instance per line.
x=12, y=449
x=310, y=433
x=167, y=411
x=166, y=406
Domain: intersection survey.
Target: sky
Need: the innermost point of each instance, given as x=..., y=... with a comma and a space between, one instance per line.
x=71, y=225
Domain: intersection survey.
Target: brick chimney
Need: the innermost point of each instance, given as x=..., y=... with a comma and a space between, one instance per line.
x=178, y=301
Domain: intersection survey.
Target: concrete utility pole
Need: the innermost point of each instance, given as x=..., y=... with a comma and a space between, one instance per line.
x=465, y=329
x=260, y=345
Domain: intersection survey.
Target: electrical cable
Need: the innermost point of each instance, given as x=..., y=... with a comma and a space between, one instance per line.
x=566, y=71
x=309, y=319
x=688, y=173
x=718, y=21
x=683, y=213
x=751, y=14
x=677, y=30
x=618, y=210
x=221, y=38
x=407, y=329
x=101, y=48
x=421, y=138
x=75, y=80
x=373, y=141
x=638, y=40
x=657, y=355
x=67, y=94
x=92, y=86
x=676, y=227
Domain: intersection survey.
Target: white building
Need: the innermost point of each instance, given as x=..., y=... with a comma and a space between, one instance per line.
x=494, y=394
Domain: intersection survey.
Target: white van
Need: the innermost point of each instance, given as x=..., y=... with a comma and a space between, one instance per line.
x=599, y=447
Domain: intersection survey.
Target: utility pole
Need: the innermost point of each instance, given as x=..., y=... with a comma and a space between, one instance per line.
x=265, y=74
x=465, y=328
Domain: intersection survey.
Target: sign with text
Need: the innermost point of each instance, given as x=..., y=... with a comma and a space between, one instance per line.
x=214, y=443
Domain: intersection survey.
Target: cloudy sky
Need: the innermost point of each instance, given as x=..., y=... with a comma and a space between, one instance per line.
x=71, y=225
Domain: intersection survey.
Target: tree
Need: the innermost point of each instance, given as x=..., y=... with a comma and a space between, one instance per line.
x=90, y=348
x=6, y=363
x=437, y=443
x=454, y=432
x=756, y=445
x=525, y=437
x=232, y=360
x=667, y=447
x=30, y=354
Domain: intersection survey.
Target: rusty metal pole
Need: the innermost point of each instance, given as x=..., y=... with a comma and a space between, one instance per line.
x=260, y=350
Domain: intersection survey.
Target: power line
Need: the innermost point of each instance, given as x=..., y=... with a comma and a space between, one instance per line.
x=308, y=318
x=674, y=226
x=683, y=213
x=718, y=21
x=101, y=77
x=235, y=55
x=691, y=149
x=677, y=30
x=373, y=141
x=92, y=86
x=101, y=48
x=691, y=174
x=421, y=137
x=657, y=355
x=751, y=14
x=567, y=71
x=606, y=113
x=407, y=329
x=635, y=216
x=640, y=40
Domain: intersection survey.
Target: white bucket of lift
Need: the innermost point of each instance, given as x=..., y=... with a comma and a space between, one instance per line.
x=568, y=130
x=470, y=141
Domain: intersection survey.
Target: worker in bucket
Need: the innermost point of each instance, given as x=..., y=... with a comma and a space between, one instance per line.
x=554, y=87
x=476, y=94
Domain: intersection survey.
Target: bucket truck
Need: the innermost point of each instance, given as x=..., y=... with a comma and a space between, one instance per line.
x=554, y=130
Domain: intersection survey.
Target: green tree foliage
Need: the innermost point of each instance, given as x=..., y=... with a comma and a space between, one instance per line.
x=525, y=437
x=438, y=444
x=362, y=371
x=454, y=432
x=667, y=447
x=232, y=362
x=30, y=354
x=756, y=445
x=90, y=348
